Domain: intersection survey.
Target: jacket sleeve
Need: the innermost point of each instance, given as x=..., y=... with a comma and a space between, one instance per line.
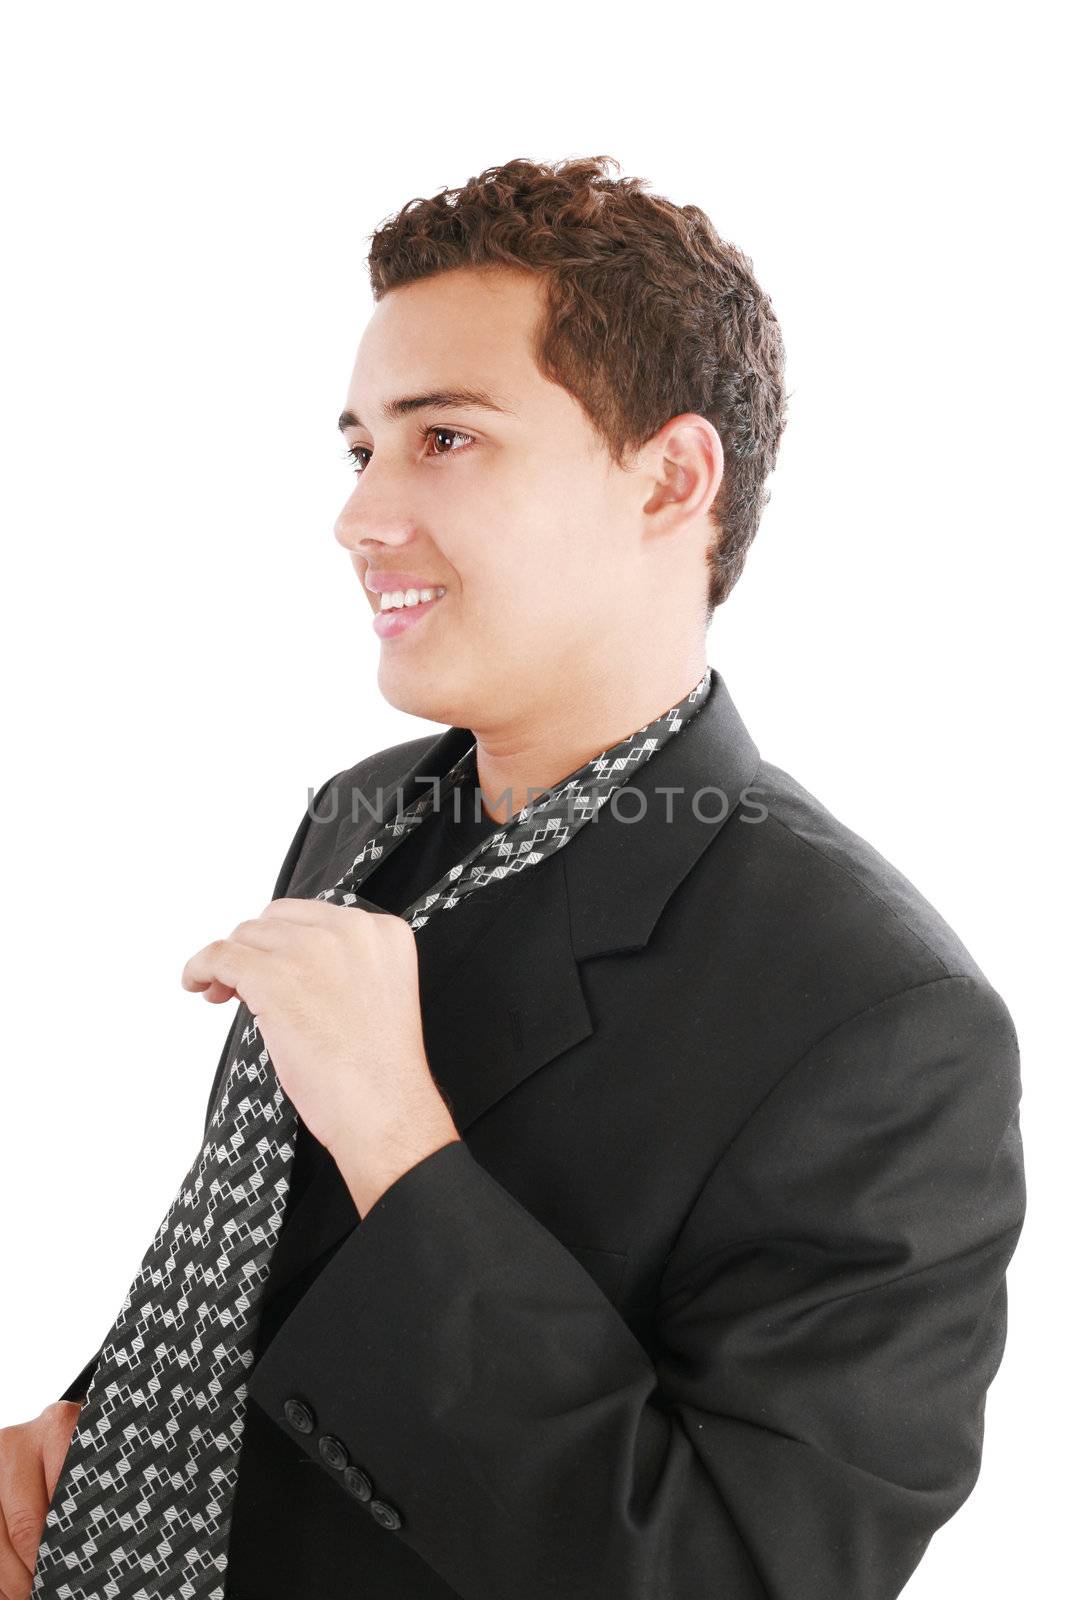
x=79, y=1386
x=831, y=1315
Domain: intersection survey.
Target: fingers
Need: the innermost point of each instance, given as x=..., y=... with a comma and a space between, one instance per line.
x=261, y=933
x=225, y=967
x=245, y=934
x=31, y=1460
x=218, y=966
x=22, y=1515
x=15, y=1576
x=57, y=1441
x=312, y=913
x=218, y=993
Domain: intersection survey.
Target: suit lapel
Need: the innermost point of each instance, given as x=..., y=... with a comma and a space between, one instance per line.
x=498, y=974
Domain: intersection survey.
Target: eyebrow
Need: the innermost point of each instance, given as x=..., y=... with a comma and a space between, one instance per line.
x=404, y=405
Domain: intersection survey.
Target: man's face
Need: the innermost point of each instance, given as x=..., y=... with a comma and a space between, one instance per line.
x=519, y=513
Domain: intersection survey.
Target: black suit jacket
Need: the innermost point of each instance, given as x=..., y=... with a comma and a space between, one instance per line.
x=708, y=1297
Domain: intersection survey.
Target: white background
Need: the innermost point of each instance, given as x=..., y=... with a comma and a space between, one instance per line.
x=188, y=194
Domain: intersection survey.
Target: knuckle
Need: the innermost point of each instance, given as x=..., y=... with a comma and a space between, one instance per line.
x=13, y=1440
x=24, y=1528
x=60, y=1413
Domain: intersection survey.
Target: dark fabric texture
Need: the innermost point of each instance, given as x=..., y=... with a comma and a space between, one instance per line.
x=449, y=832
x=144, y=1502
x=708, y=1297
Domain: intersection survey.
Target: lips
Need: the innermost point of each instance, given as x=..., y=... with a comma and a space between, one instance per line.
x=391, y=624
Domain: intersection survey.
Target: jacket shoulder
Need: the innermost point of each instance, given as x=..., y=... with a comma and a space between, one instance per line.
x=362, y=790
x=386, y=766
x=843, y=894
x=370, y=780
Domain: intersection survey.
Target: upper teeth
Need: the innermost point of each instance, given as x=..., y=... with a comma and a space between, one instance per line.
x=392, y=598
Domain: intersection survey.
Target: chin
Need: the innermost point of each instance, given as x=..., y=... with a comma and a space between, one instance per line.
x=420, y=692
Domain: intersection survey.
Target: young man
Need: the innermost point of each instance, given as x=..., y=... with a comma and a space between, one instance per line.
x=652, y=1166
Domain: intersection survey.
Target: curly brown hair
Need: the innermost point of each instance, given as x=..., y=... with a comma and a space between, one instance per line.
x=648, y=314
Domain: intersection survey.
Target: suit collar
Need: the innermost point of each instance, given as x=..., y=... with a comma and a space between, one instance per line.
x=498, y=975
x=622, y=873
x=623, y=866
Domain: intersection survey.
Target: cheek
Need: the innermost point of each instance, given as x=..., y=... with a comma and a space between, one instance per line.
x=527, y=558
x=506, y=602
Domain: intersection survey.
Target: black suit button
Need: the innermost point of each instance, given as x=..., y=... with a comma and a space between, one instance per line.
x=383, y=1512
x=333, y=1452
x=299, y=1415
x=356, y=1480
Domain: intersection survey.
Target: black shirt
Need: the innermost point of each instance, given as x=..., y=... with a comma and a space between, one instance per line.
x=439, y=842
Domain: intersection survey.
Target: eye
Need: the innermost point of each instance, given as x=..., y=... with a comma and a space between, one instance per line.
x=453, y=433
x=360, y=454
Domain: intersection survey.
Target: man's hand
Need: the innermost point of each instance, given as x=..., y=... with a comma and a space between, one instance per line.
x=335, y=994
x=31, y=1458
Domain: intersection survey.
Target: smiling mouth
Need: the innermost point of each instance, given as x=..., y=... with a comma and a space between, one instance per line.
x=407, y=599
x=391, y=621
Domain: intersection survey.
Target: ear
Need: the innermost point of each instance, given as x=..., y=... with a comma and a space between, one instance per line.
x=685, y=459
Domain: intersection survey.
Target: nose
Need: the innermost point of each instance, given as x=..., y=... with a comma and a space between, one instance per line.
x=365, y=533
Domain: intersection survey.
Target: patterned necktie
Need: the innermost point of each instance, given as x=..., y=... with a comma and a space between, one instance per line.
x=142, y=1507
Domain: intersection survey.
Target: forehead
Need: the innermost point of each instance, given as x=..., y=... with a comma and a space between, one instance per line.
x=465, y=327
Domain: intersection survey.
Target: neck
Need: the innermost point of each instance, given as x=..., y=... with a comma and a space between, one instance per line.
x=517, y=763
